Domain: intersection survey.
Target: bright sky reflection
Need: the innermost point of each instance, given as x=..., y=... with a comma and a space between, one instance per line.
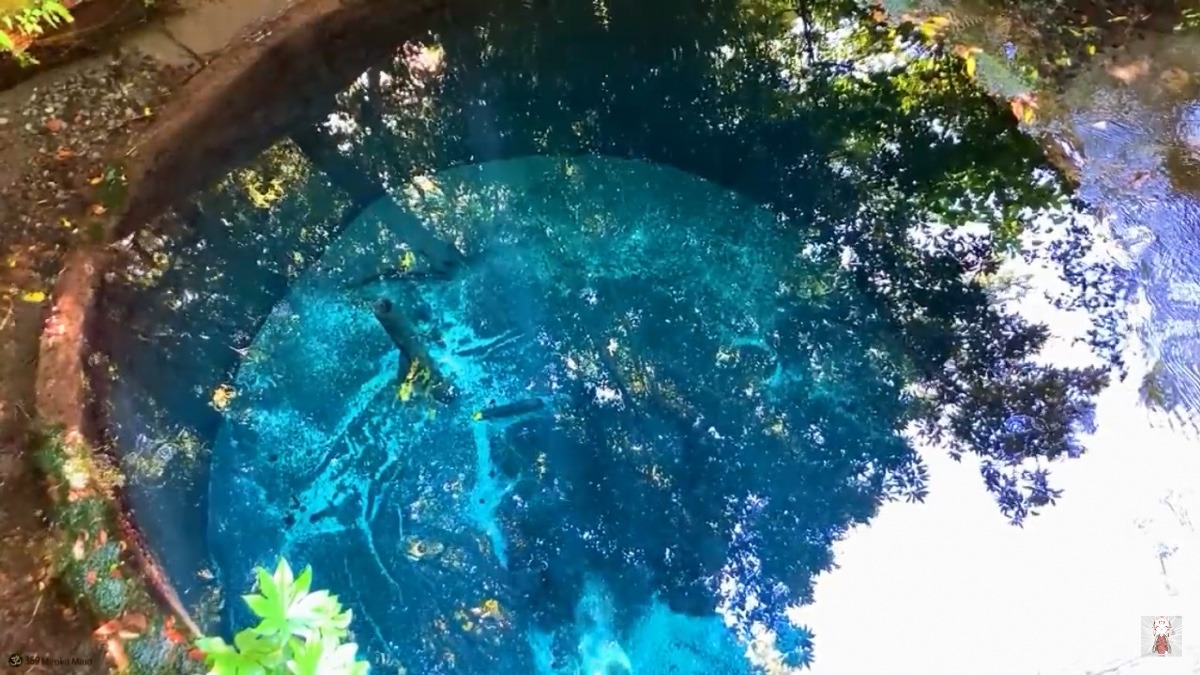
x=949, y=587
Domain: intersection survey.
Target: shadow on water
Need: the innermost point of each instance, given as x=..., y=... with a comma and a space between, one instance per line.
x=577, y=338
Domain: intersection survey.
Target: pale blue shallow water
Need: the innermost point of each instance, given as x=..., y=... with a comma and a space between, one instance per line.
x=322, y=460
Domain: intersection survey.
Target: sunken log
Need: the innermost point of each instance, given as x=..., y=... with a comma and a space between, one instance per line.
x=414, y=357
x=514, y=409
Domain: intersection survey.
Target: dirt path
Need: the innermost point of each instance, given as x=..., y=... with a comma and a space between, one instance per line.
x=56, y=131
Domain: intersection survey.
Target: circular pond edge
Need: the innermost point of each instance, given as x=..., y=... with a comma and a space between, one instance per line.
x=217, y=120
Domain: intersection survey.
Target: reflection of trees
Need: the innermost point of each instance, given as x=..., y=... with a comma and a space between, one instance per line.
x=892, y=330
x=850, y=162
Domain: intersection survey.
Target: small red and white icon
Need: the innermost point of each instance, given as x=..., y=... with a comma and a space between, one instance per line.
x=1162, y=636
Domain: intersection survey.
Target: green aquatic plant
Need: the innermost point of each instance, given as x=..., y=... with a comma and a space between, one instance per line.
x=300, y=632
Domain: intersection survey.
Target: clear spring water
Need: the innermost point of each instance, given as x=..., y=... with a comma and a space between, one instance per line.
x=589, y=278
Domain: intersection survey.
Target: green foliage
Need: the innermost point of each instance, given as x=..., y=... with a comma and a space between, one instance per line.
x=87, y=559
x=1189, y=19
x=300, y=631
x=31, y=20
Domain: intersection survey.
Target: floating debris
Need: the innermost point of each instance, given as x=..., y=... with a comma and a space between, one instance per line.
x=419, y=549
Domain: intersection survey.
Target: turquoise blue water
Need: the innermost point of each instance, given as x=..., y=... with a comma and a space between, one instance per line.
x=638, y=305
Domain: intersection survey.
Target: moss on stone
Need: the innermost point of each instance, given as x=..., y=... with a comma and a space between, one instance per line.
x=90, y=563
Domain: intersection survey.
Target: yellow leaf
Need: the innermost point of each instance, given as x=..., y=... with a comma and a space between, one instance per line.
x=970, y=66
x=223, y=396
x=1091, y=49
x=932, y=26
x=34, y=296
x=477, y=415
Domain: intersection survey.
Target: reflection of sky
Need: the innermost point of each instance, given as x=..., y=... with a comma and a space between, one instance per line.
x=949, y=587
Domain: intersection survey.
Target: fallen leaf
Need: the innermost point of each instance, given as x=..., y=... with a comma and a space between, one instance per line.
x=102, y=537
x=90, y=577
x=116, y=652
x=97, y=210
x=174, y=636
x=64, y=153
x=195, y=654
x=54, y=125
x=96, y=180
x=108, y=628
x=223, y=396
x=34, y=296
x=1128, y=72
x=1175, y=78
x=1023, y=106
x=77, y=550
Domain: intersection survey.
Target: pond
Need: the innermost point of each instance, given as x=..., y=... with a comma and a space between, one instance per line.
x=431, y=442
x=575, y=340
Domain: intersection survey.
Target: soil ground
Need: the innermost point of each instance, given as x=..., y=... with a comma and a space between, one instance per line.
x=57, y=131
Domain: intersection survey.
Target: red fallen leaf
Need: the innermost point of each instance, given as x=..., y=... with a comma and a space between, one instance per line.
x=174, y=636
x=90, y=577
x=64, y=153
x=195, y=654
x=108, y=629
x=54, y=125
x=102, y=537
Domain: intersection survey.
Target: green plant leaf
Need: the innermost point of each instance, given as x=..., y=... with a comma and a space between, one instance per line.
x=304, y=581
x=212, y=646
x=299, y=632
x=62, y=12
x=284, y=581
x=306, y=659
